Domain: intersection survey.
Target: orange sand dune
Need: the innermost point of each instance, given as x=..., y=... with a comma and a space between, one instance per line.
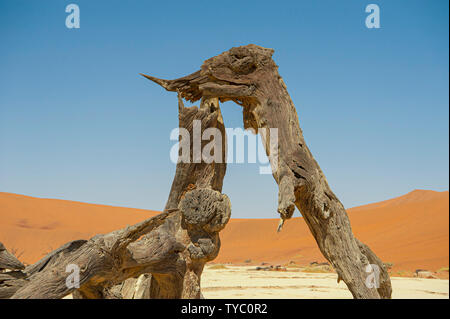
x=410, y=231
x=35, y=226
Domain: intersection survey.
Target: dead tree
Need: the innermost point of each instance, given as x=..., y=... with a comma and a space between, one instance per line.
x=173, y=246
x=248, y=76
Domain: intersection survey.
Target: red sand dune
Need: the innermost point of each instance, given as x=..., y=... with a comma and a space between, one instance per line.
x=35, y=226
x=411, y=231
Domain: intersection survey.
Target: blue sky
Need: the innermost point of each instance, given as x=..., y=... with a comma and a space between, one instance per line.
x=77, y=122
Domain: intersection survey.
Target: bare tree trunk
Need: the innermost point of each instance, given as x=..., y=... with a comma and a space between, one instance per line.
x=248, y=76
x=172, y=246
x=194, y=187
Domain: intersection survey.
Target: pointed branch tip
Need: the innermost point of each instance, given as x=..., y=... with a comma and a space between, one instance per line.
x=163, y=83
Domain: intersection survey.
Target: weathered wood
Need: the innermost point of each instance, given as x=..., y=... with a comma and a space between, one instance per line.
x=248, y=76
x=200, y=183
x=10, y=282
x=50, y=259
x=8, y=260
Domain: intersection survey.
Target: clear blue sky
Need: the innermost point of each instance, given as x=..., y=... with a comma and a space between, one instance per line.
x=77, y=122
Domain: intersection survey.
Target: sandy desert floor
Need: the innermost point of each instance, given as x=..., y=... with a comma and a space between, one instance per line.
x=236, y=282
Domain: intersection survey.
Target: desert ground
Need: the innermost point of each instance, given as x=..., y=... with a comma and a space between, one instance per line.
x=234, y=282
x=409, y=232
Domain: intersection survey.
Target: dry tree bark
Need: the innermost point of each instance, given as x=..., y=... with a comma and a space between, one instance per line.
x=248, y=76
x=173, y=246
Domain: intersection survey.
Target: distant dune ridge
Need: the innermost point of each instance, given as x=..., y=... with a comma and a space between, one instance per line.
x=410, y=231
